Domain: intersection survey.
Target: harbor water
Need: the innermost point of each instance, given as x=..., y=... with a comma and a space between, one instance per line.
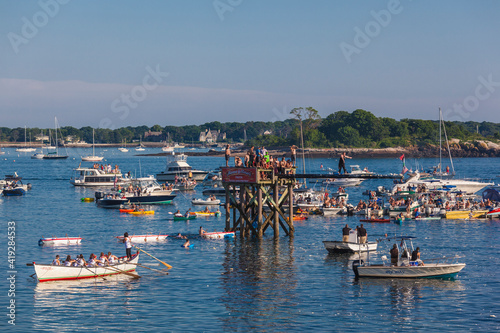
x=264, y=285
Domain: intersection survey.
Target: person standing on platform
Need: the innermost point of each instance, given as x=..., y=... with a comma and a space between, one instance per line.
x=345, y=233
x=342, y=158
x=293, y=149
x=227, y=155
x=362, y=234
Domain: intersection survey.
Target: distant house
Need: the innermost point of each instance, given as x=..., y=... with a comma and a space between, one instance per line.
x=268, y=132
x=41, y=137
x=151, y=133
x=211, y=136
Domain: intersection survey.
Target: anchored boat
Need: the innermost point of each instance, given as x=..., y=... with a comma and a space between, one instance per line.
x=407, y=268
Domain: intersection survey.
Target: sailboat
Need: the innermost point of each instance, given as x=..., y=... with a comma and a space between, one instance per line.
x=55, y=155
x=438, y=172
x=124, y=148
x=92, y=158
x=26, y=148
x=40, y=155
x=140, y=146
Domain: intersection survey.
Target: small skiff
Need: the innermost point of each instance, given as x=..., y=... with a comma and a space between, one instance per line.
x=144, y=238
x=46, y=273
x=202, y=213
x=142, y=212
x=184, y=218
x=60, y=241
x=376, y=220
x=205, y=202
x=218, y=235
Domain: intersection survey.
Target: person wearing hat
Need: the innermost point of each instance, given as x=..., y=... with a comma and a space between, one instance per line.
x=128, y=245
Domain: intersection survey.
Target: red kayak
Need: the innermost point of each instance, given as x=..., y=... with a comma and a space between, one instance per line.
x=376, y=220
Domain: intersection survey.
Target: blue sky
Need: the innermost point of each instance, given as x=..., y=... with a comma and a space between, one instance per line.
x=180, y=62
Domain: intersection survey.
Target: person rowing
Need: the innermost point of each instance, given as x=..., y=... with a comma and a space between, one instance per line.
x=202, y=231
x=80, y=261
x=56, y=261
x=103, y=259
x=178, y=213
x=68, y=261
x=112, y=259
x=92, y=260
x=187, y=213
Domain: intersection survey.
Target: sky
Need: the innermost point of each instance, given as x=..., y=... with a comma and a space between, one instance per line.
x=112, y=64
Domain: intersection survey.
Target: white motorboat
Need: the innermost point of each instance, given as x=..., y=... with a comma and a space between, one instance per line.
x=333, y=210
x=353, y=245
x=38, y=156
x=95, y=177
x=465, y=186
x=144, y=238
x=177, y=166
x=218, y=235
x=344, y=182
x=206, y=202
x=407, y=268
x=356, y=170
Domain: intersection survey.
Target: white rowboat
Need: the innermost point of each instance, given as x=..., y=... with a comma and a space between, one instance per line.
x=145, y=238
x=218, y=235
x=60, y=241
x=46, y=273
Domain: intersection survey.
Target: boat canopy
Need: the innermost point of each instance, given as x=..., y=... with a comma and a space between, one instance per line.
x=492, y=194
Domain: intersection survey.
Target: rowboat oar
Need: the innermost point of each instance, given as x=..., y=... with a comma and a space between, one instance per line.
x=164, y=263
x=156, y=270
x=122, y=271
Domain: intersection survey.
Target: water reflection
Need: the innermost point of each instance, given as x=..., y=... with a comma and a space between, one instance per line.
x=259, y=281
x=80, y=299
x=404, y=297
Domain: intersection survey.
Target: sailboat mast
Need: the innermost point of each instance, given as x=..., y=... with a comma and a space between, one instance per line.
x=93, y=146
x=440, y=122
x=55, y=125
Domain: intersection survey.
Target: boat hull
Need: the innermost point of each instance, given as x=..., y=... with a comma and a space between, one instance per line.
x=465, y=214
x=426, y=271
x=205, y=202
x=144, y=238
x=349, y=247
x=218, y=235
x=60, y=241
x=197, y=175
x=45, y=273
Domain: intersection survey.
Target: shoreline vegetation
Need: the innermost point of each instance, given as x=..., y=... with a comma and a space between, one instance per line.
x=359, y=133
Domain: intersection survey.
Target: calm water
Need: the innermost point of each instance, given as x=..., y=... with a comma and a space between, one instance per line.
x=238, y=285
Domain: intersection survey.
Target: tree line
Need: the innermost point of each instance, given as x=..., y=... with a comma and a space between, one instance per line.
x=359, y=128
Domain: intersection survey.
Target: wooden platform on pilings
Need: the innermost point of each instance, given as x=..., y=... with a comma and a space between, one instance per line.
x=248, y=191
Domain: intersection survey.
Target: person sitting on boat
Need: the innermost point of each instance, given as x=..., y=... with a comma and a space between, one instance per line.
x=68, y=261
x=112, y=259
x=92, y=260
x=80, y=261
x=56, y=261
x=207, y=210
x=394, y=255
x=186, y=244
x=345, y=233
x=103, y=259
x=415, y=255
x=187, y=213
x=202, y=231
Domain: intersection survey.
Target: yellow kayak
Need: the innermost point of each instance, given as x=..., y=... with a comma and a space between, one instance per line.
x=202, y=213
x=142, y=212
